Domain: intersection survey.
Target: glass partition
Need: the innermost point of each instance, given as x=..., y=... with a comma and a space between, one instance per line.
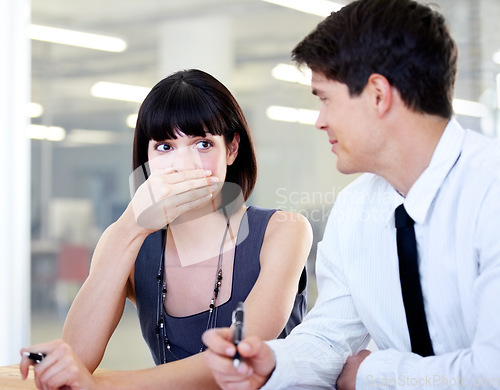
x=81, y=148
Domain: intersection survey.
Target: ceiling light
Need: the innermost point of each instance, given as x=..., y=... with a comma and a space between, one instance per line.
x=290, y=114
x=132, y=121
x=35, y=110
x=496, y=57
x=129, y=93
x=469, y=108
x=498, y=92
x=309, y=117
x=95, y=137
x=290, y=73
x=49, y=133
x=315, y=7
x=76, y=38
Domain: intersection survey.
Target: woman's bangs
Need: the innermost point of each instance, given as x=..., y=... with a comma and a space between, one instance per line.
x=186, y=112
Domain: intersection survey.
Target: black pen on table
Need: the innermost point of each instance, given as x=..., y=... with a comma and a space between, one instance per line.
x=238, y=325
x=37, y=357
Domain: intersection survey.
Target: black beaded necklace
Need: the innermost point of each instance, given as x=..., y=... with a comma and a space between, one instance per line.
x=162, y=338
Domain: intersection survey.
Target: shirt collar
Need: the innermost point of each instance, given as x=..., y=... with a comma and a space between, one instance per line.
x=424, y=190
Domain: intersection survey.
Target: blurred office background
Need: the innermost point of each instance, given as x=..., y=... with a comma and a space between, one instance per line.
x=83, y=102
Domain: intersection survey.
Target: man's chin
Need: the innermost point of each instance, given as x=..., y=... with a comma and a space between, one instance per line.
x=346, y=169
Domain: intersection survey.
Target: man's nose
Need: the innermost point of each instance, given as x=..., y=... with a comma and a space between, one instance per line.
x=320, y=123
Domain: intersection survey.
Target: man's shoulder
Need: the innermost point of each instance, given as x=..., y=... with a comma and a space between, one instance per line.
x=367, y=193
x=482, y=153
x=480, y=144
x=366, y=184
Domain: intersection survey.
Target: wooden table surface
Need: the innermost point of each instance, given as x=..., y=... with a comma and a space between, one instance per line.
x=10, y=379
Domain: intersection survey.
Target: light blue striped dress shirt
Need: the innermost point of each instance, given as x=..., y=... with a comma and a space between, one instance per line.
x=456, y=207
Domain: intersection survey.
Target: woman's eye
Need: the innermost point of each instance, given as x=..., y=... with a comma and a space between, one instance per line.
x=162, y=147
x=204, y=144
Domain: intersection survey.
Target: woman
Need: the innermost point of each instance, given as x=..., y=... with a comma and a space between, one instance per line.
x=186, y=250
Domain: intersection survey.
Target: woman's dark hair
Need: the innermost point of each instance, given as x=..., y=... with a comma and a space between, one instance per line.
x=195, y=103
x=403, y=40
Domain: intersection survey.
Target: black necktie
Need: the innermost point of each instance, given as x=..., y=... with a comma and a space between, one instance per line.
x=410, y=284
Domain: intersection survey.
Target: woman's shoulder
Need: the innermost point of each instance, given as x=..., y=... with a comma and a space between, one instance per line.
x=289, y=224
x=288, y=236
x=280, y=219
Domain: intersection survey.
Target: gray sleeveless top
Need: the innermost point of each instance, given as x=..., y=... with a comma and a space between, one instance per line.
x=184, y=333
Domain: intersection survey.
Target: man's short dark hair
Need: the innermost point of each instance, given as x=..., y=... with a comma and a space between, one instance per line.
x=406, y=42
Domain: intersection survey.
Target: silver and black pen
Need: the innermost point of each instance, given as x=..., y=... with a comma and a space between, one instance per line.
x=238, y=329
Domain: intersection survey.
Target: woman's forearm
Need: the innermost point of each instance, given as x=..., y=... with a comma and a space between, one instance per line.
x=186, y=374
x=99, y=304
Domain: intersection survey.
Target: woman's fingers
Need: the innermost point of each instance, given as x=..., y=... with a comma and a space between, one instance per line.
x=57, y=369
x=62, y=369
x=162, y=187
x=44, y=348
x=176, y=176
x=158, y=214
x=167, y=194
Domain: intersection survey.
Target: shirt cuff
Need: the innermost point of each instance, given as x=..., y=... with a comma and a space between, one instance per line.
x=278, y=377
x=365, y=377
x=379, y=370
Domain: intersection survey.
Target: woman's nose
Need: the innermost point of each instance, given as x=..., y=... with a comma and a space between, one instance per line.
x=186, y=158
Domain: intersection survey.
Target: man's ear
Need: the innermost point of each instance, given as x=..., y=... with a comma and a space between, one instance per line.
x=232, y=149
x=381, y=93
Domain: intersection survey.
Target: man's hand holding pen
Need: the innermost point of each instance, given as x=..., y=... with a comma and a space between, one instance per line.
x=246, y=362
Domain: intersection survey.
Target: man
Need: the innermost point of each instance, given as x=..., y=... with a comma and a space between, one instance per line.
x=384, y=71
